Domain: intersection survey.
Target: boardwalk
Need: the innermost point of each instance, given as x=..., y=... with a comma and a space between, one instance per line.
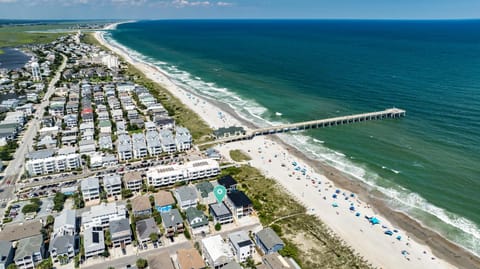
x=391, y=113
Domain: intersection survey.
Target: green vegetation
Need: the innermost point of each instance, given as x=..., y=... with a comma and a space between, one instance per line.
x=34, y=206
x=59, y=201
x=141, y=263
x=126, y=193
x=12, y=36
x=45, y=264
x=307, y=239
x=218, y=226
x=187, y=234
x=12, y=266
x=154, y=237
x=7, y=151
x=239, y=156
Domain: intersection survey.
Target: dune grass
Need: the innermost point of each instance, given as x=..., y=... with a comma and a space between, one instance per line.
x=309, y=241
x=239, y=156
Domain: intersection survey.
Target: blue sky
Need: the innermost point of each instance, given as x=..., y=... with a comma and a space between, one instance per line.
x=159, y=9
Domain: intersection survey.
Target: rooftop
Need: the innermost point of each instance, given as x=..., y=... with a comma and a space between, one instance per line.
x=185, y=193
x=269, y=238
x=239, y=199
x=145, y=227
x=227, y=181
x=141, y=203
x=190, y=259
x=220, y=209
x=163, y=198
x=171, y=218
x=217, y=249
x=28, y=246
x=132, y=176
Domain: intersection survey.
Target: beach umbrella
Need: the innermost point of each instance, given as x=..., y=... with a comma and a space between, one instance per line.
x=374, y=221
x=352, y=208
x=388, y=232
x=337, y=191
x=352, y=195
x=399, y=238
x=357, y=214
x=335, y=205
x=334, y=196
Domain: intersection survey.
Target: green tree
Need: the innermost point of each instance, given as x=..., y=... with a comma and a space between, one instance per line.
x=154, y=237
x=187, y=234
x=218, y=226
x=126, y=193
x=29, y=208
x=50, y=220
x=12, y=266
x=141, y=263
x=156, y=216
x=108, y=238
x=45, y=264
x=201, y=207
x=59, y=201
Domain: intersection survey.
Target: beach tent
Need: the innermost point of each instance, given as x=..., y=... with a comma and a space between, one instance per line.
x=374, y=220
x=357, y=214
x=334, y=196
x=388, y=232
x=335, y=205
x=399, y=238
x=352, y=208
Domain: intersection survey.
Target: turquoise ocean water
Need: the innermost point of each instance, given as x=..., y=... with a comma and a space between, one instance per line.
x=428, y=163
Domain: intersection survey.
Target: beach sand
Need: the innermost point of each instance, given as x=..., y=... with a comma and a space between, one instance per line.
x=274, y=158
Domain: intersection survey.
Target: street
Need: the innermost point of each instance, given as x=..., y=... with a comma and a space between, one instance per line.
x=15, y=167
x=132, y=258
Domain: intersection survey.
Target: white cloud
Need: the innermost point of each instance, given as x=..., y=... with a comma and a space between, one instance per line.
x=224, y=4
x=186, y=3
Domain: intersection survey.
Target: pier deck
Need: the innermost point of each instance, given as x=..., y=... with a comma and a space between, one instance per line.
x=391, y=113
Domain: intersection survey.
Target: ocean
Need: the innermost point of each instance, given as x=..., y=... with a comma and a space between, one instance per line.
x=427, y=163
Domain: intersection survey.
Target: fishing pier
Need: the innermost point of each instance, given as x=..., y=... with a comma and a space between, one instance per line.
x=392, y=113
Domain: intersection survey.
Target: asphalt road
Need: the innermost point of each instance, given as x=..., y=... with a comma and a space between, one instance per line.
x=15, y=168
x=132, y=258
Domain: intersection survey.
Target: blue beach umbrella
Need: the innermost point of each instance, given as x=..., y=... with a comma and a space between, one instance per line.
x=388, y=232
x=357, y=214
x=352, y=208
x=374, y=221
x=399, y=238
x=334, y=196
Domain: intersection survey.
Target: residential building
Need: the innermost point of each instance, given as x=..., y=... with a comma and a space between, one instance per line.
x=239, y=203
x=163, y=201
x=186, y=197
x=93, y=242
x=164, y=175
x=141, y=206
x=62, y=248
x=190, y=259
x=154, y=146
x=6, y=254
x=242, y=246
x=120, y=232
x=105, y=142
x=216, y=252
x=53, y=164
x=197, y=221
x=168, y=142
x=172, y=222
x=139, y=146
x=124, y=147
x=160, y=261
x=232, y=265
x=228, y=182
x=101, y=215
x=133, y=180
x=220, y=213
x=275, y=261
x=70, y=120
x=65, y=223
x=230, y=131
x=90, y=188
x=29, y=251
x=145, y=228
x=112, y=184
x=183, y=139
x=268, y=241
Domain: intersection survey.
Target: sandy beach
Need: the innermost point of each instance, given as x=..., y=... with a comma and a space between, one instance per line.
x=337, y=201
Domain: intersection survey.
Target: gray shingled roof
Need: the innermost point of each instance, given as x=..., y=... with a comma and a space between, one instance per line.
x=171, y=218
x=61, y=243
x=186, y=193
x=269, y=238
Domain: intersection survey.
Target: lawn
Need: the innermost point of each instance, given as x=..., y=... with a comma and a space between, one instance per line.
x=308, y=240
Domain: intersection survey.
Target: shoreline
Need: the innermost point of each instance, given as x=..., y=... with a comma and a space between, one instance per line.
x=441, y=247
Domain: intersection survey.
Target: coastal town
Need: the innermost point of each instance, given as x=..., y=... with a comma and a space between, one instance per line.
x=105, y=162
x=98, y=174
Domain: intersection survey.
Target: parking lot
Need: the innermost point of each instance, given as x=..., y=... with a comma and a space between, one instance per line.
x=45, y=209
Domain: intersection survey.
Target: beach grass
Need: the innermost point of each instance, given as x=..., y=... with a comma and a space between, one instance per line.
x=309, y=241
x=239, y=155
x=183, y=115
x=13, y=36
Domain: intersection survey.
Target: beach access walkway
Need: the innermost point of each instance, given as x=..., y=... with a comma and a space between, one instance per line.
x=392, y=113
